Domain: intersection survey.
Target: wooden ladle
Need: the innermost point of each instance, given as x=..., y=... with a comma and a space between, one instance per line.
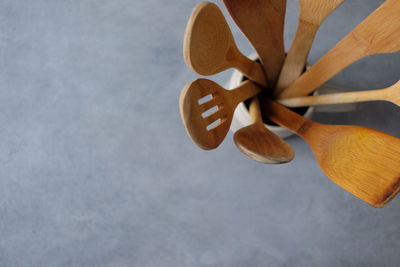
x=363, y=161
x=378, y=33
x=312, y=14
x=391, y=94
x=207, y=109
x=258, y=143
x=262, y=22
x=209, y=47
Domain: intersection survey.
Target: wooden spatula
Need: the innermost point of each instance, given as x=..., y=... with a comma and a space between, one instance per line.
x=258, y=143
x=312, y=14
x=363, y=161
x=207, y=109
x=262, y=22
x=378, y=33
x=391, y=94
x=209, y=47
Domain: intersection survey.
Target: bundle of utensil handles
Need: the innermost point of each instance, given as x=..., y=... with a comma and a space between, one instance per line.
x=363, y=161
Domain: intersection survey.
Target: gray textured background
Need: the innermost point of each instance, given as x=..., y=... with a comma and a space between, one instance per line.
x=96, y=169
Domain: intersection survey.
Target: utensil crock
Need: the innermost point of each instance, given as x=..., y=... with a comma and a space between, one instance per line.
x=241, y=117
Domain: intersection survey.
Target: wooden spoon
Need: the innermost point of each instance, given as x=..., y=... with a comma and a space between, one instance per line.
x=262, y=22
x=209, y=48
x=391, y=94
x=207, y=109
x=260, y=144
x=363, y=161
x=378, y=33
x=312, y=14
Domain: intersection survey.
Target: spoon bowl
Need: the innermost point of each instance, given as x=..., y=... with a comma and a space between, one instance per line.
x=262, y=22
x=363, y=161
x=207, y=110
x=209, y=47
x=206, y=44
x=260, y=144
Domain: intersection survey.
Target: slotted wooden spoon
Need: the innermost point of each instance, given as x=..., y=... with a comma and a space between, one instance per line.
x=312, y=14
x=378, y=33
x=258, y=143
x=209, y=47
x=363, y=161
x=391, y=94
x=262, y=22
x=207, y=109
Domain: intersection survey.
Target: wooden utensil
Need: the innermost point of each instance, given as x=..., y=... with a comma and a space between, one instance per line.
x=378, y=33
x=260, y=144
x=363, y=161
x=262, y=22
x=312, y=14
x=391, y=94
x=207, y=109
x=209, y=47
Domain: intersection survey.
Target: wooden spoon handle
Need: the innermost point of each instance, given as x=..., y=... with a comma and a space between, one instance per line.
x=297, y=55
x=338, y=98
x=378, y=33
x=249, y=68
x=343, y=54
x=391, y=94
x=254, y=110
x=245, y=91
x=285, y=117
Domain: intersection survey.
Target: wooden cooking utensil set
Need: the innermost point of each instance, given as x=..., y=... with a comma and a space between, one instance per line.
x=363, y=161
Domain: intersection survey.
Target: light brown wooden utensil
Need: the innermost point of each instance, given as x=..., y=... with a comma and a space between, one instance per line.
x=209, y=47
x=378, y=33
x=391, y=94
x=262, y=22
x=207, y=109
x=363, y=161
x=258, y=143
x=312, y=14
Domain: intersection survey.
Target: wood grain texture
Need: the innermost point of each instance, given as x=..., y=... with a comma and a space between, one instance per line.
x=209, y=47
x=194, y=114
x=378, y=33
x=260, y=144
x=312, y=14
x=363, y=161
x=262, y=22
x=391, y=94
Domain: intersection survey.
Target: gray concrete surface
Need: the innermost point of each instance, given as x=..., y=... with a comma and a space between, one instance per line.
x=96, y=169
